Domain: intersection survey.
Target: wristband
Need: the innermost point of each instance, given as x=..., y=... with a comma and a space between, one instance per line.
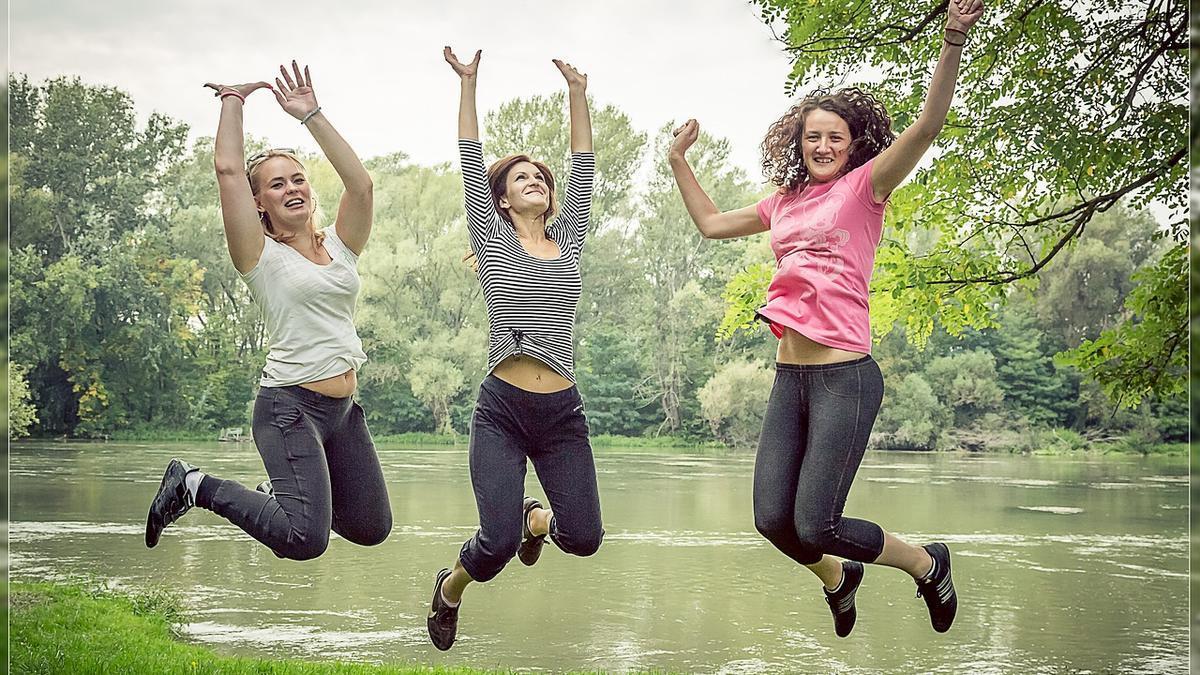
x=951, y=42
x=230, y=92
x=309, y=116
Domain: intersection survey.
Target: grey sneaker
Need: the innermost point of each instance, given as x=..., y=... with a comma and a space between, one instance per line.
x=171, y=502
x=531, y=546
x=443, y=619
x=938, y=589
x=841, y=601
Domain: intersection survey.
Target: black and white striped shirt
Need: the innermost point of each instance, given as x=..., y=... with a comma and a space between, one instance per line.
x=531, y=302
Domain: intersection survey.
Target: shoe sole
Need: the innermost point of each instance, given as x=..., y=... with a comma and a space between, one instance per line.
x=429, y=619
x=152, y=537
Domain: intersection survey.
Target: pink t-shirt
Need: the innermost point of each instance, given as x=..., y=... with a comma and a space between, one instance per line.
x=824, y=238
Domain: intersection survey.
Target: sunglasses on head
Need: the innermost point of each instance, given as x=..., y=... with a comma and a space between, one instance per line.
x=268, y=153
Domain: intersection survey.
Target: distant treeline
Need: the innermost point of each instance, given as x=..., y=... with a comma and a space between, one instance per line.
x=127, y=315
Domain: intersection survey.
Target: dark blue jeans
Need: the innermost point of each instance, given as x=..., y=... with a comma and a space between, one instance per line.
x=324, y=474
x=509, y=426
x=813, y=439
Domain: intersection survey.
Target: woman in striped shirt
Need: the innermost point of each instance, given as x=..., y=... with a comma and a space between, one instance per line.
x=528, y=406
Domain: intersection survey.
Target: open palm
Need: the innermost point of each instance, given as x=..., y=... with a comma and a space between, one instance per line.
x=295, y=96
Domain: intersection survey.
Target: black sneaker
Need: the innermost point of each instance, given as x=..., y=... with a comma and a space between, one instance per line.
x=841, y=601
x=531, y=546
x=938, y=589
x=443, y=619
x=172, y=501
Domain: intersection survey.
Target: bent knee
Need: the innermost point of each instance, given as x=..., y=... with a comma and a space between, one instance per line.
x=583, y=546
x=815, y=537
x=774, y=527
x=369, y=534
x=307, y=549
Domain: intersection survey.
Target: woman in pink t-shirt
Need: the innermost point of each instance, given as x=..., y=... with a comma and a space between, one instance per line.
x=836, y=162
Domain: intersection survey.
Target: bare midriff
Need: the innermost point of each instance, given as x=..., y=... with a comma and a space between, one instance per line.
x=796, y=349
x=525, y=372
x=338, y=386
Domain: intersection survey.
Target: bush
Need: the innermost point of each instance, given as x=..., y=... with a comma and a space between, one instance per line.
x=734, y=400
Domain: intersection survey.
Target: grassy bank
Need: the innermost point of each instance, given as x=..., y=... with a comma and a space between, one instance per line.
x=71, y=629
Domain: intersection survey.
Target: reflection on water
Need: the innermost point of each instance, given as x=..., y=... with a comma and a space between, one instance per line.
x=1062, y=564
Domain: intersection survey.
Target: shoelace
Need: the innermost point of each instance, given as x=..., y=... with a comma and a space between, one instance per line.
x=844, y=604
x=944, y=588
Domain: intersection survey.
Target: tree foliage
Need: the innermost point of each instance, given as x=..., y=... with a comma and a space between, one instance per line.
x=128, y=314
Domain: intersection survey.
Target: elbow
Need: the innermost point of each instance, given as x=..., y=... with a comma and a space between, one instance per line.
x=363, y=186
x=706, y=229
x=225, y=167
x=927, y=130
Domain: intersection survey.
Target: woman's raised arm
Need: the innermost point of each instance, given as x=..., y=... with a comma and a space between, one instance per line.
x=898, y=160
x=243, y=229
x=468, y=118
x=297, y=98
x=711, y=221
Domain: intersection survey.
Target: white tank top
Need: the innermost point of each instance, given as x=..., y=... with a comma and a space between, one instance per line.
x=308, y=310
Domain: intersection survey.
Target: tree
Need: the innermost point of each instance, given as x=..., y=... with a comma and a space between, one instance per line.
x=734, y=401
x=1147, y=353
x=966, y=384
x=21, y=411
x=911, y=417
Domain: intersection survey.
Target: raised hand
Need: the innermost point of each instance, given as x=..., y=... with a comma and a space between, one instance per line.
x=295, y=96
x=464, y=71
x=243, y=89
x=962, y=14
x=685, y=135
x=575, y=79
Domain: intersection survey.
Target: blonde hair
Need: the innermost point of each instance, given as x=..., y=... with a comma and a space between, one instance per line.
x=314, y=221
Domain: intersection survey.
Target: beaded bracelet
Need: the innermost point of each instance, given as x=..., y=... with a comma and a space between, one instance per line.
x=309, y=116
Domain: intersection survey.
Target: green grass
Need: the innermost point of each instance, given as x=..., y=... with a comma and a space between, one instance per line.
x=75, y=629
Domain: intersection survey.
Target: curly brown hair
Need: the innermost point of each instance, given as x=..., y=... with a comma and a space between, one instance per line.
x=870, y=132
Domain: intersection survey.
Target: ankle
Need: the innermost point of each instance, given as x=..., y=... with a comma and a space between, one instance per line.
x=926, y=568
x=539, y=522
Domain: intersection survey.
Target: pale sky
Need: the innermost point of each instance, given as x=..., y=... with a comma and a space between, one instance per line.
x=378, y=71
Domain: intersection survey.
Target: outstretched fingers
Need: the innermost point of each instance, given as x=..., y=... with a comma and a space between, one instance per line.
x=301, y=80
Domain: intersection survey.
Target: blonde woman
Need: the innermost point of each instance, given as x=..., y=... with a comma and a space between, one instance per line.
x=311, y=434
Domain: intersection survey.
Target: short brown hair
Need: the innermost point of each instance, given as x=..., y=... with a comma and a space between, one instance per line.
x=870, y=132
x=498, y=176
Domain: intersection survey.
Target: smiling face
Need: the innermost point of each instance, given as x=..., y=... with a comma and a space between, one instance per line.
x=825, y=143
x=520, y=185
x=526, y=190
x=281, y=191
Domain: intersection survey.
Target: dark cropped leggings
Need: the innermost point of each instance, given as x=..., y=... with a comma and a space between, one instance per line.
x=509, y=426
x=813, y=439
x=324, y=474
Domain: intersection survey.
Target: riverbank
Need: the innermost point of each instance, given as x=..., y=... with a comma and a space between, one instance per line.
x=1044, y=442
x=73, y=629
